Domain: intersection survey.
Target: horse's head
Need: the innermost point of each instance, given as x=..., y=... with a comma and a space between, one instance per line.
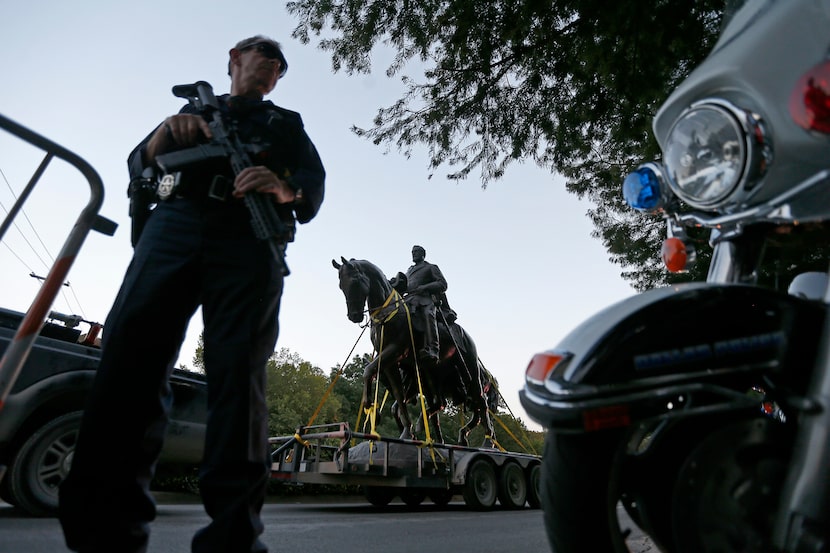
x=355, y=286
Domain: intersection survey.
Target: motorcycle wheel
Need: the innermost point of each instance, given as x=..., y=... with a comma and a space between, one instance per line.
x=706, y=485
x=576, y=482
x=728, y=488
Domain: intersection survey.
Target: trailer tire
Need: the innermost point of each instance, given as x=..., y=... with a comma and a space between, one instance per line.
x=378, y=496
x=441, y=498
x=480, y=485
x=512, y=486
x=534, y=475
x=412, y=498
x=42, y=463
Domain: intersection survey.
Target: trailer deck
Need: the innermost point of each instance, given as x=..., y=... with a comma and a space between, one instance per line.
x=413, y=469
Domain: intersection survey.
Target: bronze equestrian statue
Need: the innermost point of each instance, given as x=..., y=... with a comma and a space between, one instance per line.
x=457, y=375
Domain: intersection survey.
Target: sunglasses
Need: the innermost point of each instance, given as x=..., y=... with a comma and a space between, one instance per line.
x=268, y=50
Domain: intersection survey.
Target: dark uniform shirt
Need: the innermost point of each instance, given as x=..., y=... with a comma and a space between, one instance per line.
x=276, y=134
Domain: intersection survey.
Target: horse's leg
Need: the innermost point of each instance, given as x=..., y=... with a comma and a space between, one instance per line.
x=369, y=375
x=436, y=426
x=490, y=434
x=396, y=408
x=392, y=377
x=487, y=399
x=419, y=424
x=480, y=401
x=464, y=431
x=402, y=413
x=407, y=432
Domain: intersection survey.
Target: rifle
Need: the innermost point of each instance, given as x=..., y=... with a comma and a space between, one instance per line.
x=265, y=220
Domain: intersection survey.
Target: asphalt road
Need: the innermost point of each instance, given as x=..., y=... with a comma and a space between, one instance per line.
x=345, y=525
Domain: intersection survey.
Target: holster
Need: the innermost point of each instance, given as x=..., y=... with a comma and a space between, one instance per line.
x=142, y=194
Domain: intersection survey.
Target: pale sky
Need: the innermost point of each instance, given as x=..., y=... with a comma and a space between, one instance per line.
x=95, y=77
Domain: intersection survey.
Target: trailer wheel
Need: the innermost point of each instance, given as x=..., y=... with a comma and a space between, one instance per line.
x=413, y=498
x=378, y=495
x=512, y=487
x=533, y=476
x=480, y=487
x=441, y=498
x=42, y=463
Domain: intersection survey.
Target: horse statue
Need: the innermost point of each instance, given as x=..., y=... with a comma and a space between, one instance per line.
x=458, y=375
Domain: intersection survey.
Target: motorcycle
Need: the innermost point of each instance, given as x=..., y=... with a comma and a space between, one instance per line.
x=702, y=410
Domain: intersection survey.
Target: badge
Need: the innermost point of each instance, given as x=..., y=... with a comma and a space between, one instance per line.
x=166, y=186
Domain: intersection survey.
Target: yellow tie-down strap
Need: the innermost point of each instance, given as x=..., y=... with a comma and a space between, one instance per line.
x=392, y=295
x=300, y=439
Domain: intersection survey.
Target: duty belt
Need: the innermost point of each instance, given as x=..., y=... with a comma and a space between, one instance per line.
x=181, y=185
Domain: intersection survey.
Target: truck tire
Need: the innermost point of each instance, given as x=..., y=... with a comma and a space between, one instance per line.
x=480, y=485
x=441, y=498
x=512, y=486
x=379, y=496
x=533, y=486
x=412, y=498
x=42, y=463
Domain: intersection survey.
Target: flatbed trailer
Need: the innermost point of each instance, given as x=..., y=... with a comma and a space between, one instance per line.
x=411, y=469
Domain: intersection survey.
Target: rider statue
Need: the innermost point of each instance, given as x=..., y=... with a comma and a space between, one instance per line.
x=425, y=286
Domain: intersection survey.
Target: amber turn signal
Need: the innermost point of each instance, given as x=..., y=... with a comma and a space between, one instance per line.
x=541, y=365
x=674, y=255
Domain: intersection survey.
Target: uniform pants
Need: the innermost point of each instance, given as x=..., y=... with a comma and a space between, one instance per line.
x=191, y=253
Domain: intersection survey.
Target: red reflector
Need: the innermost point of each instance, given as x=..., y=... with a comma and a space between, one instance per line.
x=606, y=417
x=810, y=100
x=674, y=254
x=541, y=365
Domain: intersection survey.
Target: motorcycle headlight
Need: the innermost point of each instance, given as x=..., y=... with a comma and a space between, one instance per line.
x=712, y=150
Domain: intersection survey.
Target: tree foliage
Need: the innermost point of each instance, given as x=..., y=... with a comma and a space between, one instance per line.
x=571, y=85
x=199, y=353
x=295, y=391
x=349, y=388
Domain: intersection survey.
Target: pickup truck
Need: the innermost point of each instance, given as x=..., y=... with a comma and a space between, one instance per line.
x=39, y=421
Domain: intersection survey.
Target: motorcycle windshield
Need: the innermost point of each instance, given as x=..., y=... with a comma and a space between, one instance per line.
x=739, y=15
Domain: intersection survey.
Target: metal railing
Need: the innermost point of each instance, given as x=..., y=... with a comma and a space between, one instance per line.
x=18, y=350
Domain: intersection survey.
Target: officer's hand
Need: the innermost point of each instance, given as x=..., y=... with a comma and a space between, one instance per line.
x=183, y=129
x=186, y=129
x=262, y=179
